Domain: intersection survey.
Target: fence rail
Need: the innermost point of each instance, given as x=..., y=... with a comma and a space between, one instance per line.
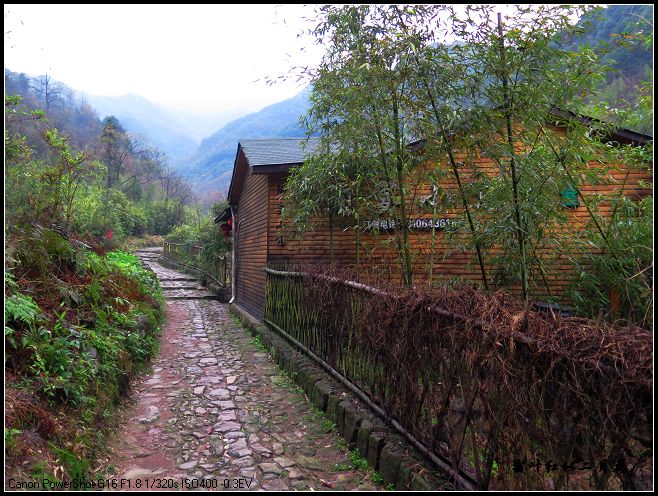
x=507, y=408
x=219, y=269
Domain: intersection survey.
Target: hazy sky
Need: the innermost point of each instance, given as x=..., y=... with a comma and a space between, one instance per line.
x=193, y=57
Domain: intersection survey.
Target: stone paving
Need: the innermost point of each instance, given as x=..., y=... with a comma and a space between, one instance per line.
x=216, y=409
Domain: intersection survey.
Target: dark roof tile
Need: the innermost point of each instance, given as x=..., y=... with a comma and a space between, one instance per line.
x=277, y=151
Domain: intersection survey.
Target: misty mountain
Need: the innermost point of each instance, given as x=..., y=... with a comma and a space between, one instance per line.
x=210, y=167
x=202, y=125
x=177, y=133
x=630, y=55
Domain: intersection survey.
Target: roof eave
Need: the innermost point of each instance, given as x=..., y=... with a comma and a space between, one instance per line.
x=231, y=190
x=224, y=215
x=273, y=168
x=621, y=135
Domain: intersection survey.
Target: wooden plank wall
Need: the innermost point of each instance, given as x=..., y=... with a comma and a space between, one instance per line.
x=251, y=253
x=379, y=261
x=452, y=261
x=314, y=246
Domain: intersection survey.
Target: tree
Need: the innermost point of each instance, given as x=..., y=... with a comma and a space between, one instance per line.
x=50, y=92
x=361, y=95
x=443, y=84
x=45, y=189
x=115, y=149
x=71, y=168
x=492, y=93
x=57, y=169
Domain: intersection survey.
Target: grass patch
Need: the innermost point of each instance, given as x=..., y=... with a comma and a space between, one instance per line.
x=327, y=425
x=10, y=439
x=341, y=444
x=257, y=342
x=286, y=380
x=39, y=471
x=317, y=416
x=316, y=413
x=357, y=460
x=342, y=467
x=377, y=478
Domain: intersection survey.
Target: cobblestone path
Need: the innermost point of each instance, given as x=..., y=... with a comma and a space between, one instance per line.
x=216, y=409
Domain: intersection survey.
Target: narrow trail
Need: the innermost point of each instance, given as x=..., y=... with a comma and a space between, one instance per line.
x=215, y=413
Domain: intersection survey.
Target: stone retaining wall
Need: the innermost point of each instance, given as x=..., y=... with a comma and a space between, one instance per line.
x=387, y=452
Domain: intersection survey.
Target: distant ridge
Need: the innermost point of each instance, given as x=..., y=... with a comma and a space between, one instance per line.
x=178, y=134
x=211, y=165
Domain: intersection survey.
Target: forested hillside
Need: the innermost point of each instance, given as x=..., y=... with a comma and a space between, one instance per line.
x=138, y=115
x=618, y=32
x=619, y=25
x=81, y=315
x=176, y=133
x=63, y=164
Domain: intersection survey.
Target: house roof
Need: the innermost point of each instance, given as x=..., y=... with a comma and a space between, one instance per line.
x=223, y=215
x=272, y=155
x=266, y=156
x=277, y=151
x=620, y=135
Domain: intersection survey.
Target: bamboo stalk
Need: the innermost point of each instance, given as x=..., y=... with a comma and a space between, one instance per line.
x=520, y=231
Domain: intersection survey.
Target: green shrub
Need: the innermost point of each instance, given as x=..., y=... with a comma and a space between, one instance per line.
x=185, y=234
x=101, y=331
x=621, y=263
x=42, y=252
x=100, y=210
x=129, y=265
x=21, y=312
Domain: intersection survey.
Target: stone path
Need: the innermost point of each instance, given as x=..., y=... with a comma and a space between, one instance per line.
x=216, y=413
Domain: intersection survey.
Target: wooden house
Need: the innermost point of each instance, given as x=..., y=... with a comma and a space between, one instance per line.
x=260, y=171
